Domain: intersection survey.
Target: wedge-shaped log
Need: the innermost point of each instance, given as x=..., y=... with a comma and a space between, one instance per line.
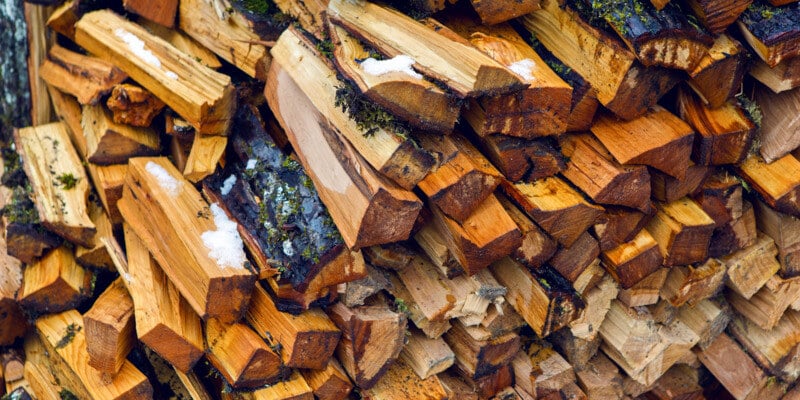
x=214, y=281
x=25, y=237
x=108, y=142
x=662, y=37
x=463, y=179
x=203, y=97
x=737, y=372
x=161, y=12
x=64, y=17
x=330, y=383
x=646, y=291
x=707, y=319
x=782, y=77
x=766, y=306
x=682, y=230
x=693, y=284
x=592, y=169
x=229, y=38
x=426, y=356
x=59, y=183
x=54, y=283
x=460, y=386
x=598, y=301
x=721, y=198
x=372, y=338
x=778, y=182
x=738, y=234
x=619, y=225
x=464, y=69
x=85, y=77
x=204, y=156
x=668, y=189
x=522, y=159
x=572, y=261
x=109, y=329
x=545, y=299
x=367, y=208
x=785, y=231
x=13, y=324
x=401, y=294
x=164, y=320
x=97, y=256
x=357, y=291
x=551, y=372
x=658, y=139
x=775, y=349
x=600, y=378
x=410, y=98
x=716, y=16
x=387, y=151
x=495, y=12
x=718, y=76
x=431, y=238
x=750, y=268
x=477, y=352
x=132, y=105
x=183, y=42
x=632, y=261
x=537, y=247
x=401, y=382
x=555, y=206
x=294, y=387
x=241, y=356
x=65, y=341
x=306, y=340
x=623, y=85
x=523, y=369
x=771, y=31
x=724, y=133
x=427, y=288
x=681, y=381
x=779, y=133
x=484, y=237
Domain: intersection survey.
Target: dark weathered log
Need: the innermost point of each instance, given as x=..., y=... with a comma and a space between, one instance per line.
x=716, y=16
x=522, y=159
x=778, y=182
x=773, y=32
x=619, y=225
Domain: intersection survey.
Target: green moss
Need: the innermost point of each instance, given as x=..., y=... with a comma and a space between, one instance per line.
x=67, y=180
x=72, y=329
x=400, y=306
x=21, y=209
x=751, y=108
x=369, y=116
x=65, y=394
x=257, y=6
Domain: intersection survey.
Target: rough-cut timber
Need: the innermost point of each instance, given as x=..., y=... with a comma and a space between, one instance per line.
x=718, y=76
x=171, y=225
x=54, y=283
x=203, y=97
x=367, y=208
x=161, y=12
x=464, y=69
x=522, y=159
x=779, y=133
x=778, y=182
x=683, y=231
x=58, y=180
x=241, y=356
x=13, y=323
x=329, y=383
x=750, y=268
x=132, y=105
x=109, y=142
x=632, y=261
x=415, y=100
x=85, y=77
x=772, y=32
x=109, y=329
x=716, y=16
x=783, y=77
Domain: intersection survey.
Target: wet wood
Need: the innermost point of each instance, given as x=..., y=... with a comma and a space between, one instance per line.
x=85, y=77
x=771, y=31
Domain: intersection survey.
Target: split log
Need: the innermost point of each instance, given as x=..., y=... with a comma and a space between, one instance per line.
x=737, y=372
x=109, y=329
x=12, y=364
x=392, y=256
x=523, y=369
x=357, y=291
x=294, y=387
x=633, y=261
x=132, y=105
x=58, y=180
x=97, y=256
x=577, y=351
x=404, y=300
x=750, y=268
x=417, y=101
x=401, y=382
x=425, y=356
x=707, y=319
x=386, y=149
x=487, y=386
x=305, y=341
x=310, y=14
x=598, y=301
x=555, y=206
x=721, y=198
x=777, y=182
x=592, y=169
x=427, y=288
x=372, y=338
x=330, y=383
x=551, y=372
x=782, y=77
x=689, y=284
x=623, y=85
x=775, y=349
x=716, y=16
x=522, y=159
x=718, y=76
x=683, y=231
x=736, y=234
x=37, y=372
x=477, y=353
x=25, y=237
x=464, y=69
x=54, y=283
x=668, y=189
x=724, y=133
x=64, y=17
x=544, y=299
x=771, y=31
x=65, y=342
x=206, y=100
x=495, y=12
x=164, y=320
x=679, y=382
x=785, y=231
x=663, y=37
x=109, y=142
x=162, y=12
x=571, y=262
x=226, y=37
x=463, y=179
x=241, y=356
x=13, y=324
x=484, y=237
x=183, y=42
x=377, y=210
x=619, y=225
x=180, y=242
x=646, y=291
x=779, y=133
x=766, y=306
x=537, y=247
x=590, y=277
x=658, y=139
x=600, y=378
x=85, y=77
x=502, y=319
x=432, y=240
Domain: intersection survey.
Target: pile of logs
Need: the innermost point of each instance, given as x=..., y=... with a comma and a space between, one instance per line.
x=508, y=199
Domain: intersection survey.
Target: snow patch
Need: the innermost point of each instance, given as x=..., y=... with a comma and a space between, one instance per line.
x=288, y=249
x=400, y=63
x=524, y=68
x=171, y=75
x=227, y=185
x=224, y=244
x=136, y=45
x=167, y=182
x=251, y=164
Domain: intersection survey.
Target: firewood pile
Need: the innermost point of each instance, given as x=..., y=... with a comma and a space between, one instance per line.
x=508, y=199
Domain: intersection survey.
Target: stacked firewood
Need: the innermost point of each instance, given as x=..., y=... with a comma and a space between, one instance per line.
x=330, y=199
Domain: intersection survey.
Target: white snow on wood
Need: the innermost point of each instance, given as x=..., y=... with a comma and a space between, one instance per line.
x=524, y=68
x=251, y=163
x=227, y=185
x=171, y=75
x=224, y=244
x=165, y=180
x=288, y=249
x=136, y=45
x=400, y=63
